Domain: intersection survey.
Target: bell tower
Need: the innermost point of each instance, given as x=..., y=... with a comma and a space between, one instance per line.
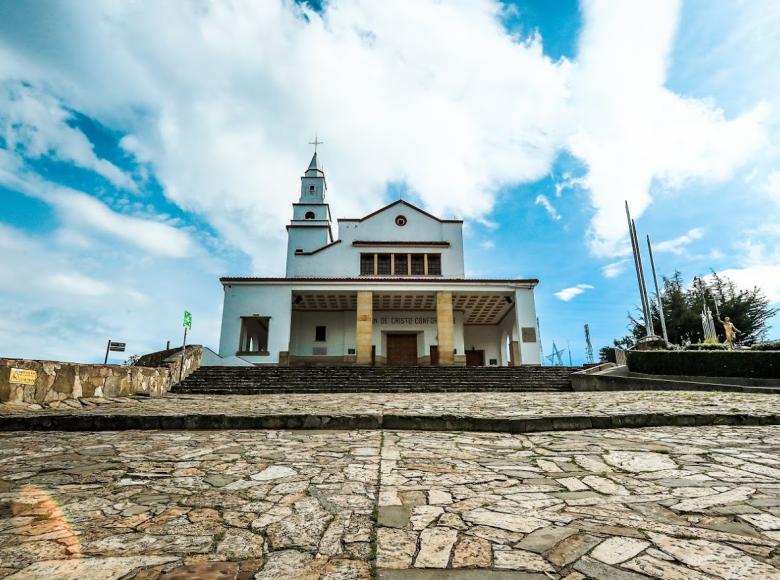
x=309, y=228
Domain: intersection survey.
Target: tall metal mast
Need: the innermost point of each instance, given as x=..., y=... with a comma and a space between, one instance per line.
x=657, y=292
x=640, y=277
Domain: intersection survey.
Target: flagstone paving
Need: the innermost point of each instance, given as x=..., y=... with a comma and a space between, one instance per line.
x=687, y=503
x=262, y=504
x=483, y=405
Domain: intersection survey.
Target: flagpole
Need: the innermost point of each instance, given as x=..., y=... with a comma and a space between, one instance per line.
x=183, y=347
x=657, y=293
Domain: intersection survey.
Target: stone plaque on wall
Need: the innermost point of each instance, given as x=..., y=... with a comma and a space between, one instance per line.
x=528, y=334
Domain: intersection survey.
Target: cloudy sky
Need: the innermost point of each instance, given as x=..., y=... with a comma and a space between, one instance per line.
x=146, y=148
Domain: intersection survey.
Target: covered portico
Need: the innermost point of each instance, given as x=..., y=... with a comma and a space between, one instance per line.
x=410, y=322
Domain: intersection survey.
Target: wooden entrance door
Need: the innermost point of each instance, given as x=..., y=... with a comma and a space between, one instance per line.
x=475, y=358
x=401, y=349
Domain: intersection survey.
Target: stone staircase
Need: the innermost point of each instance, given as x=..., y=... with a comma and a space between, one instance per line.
x=355, y=379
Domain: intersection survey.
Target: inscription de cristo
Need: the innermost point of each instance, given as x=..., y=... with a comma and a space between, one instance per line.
x=405, y=320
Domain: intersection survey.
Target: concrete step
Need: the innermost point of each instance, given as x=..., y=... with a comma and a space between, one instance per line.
x=275, y=379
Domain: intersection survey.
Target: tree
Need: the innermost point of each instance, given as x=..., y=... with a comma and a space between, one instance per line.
x=749, y=310
x=132, y=359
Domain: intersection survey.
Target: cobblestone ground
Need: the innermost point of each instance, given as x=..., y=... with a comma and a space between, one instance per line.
x=498, y=405
x=177, y=504
x=677, y=503
x=684, y=503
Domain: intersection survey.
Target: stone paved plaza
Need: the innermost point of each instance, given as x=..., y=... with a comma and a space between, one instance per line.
x=687, y=503
x=486, y=405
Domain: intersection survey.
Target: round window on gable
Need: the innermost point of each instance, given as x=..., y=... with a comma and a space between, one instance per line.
x=309, y=215
x=400, y=220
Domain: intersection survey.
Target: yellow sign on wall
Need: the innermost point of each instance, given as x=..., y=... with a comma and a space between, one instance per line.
x=23, y=376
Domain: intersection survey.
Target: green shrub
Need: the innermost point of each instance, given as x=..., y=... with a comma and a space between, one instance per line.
x=715, y=363
x=771, y=345
x=707, y=346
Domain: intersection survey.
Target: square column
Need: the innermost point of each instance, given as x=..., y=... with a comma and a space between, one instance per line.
x=364, y=331
x=445, y=327
x=515, y=358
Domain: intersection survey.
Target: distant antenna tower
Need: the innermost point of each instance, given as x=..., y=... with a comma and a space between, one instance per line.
x=588, y=346
x=556, y=355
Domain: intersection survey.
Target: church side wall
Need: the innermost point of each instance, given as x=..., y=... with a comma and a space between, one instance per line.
x=302, y=342
x=525, y=312
x=484, y=337
x=256, y=300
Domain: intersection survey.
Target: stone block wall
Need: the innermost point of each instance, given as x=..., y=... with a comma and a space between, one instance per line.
x=57, y=380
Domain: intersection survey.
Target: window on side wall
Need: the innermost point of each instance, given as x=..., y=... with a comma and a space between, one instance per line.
x=418, y=265
x=434, y=264
x=401, y=265
x=320, y=334
x=254, y=335
x=383, y=264
x=366, y=264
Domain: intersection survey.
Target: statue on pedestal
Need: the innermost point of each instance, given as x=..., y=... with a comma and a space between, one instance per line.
x=730, y=330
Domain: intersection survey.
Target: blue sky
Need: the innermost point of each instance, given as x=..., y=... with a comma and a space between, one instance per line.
x=147, y=149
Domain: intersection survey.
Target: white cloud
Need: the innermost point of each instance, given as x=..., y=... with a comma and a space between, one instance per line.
x=231, y=93
x=82, y=213
x=677, y=245
x=772, y=186
x=59, y=303
x=487, y=245
x=78, y=284
x=79, y=209
x=569, y=293
x=614, y=269
x=221, y=105
x=568, y=182
x=632, y=131
x=759, y=266
x=766, y=277
x=36, y=124
x=549, y=208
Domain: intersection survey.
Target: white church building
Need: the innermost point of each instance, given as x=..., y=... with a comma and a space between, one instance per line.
x=389, y=289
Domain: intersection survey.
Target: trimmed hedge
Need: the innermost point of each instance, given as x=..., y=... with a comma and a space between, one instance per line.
x=771, y=345
x=707, y=346
x=730, y=363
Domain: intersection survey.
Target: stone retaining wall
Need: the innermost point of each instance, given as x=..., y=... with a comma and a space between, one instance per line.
x=57, y=381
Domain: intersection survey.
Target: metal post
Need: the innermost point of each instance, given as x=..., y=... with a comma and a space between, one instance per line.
x=639, y=276
x=657, y=292
x=183, y=347
x=539, y=338
x=108, y=345
x=650, y=330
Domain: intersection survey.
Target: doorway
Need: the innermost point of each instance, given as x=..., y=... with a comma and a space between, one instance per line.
x=401, y=349
x=475, y=358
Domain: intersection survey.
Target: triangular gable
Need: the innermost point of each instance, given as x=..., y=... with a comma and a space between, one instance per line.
x=400, y=202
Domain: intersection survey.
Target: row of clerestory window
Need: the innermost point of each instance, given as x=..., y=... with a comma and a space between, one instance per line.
x=400, y=264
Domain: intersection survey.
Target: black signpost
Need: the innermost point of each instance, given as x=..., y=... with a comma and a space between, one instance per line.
x=114, y=347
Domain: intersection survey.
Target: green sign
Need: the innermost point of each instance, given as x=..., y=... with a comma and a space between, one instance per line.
x=187, y=320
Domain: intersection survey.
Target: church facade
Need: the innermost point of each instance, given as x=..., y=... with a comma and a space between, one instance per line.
x=388, y=289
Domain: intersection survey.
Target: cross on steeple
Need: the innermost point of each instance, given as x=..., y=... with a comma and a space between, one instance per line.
x=315, y=143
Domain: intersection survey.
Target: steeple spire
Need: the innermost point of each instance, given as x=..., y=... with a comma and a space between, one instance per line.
x=314, y=169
